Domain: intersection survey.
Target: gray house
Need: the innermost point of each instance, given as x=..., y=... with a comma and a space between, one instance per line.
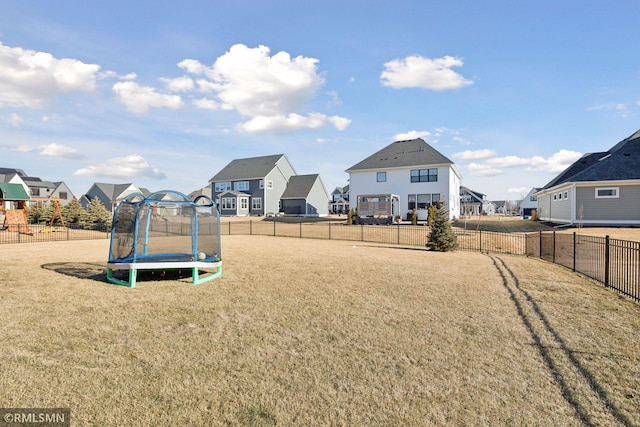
x=110, y=194
x=305, y=195
x=251, y=186
x=598, y=189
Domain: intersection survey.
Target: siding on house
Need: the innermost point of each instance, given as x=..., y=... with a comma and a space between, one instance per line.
x=626, y=207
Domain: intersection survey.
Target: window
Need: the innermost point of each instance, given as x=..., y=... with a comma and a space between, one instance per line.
x=381, y=177
x=565, y=195
x=412, y=201
x=35, y=191
x=261, y=184
x=256, y=203
x=607, y=193
x=269, y=185
x=241, y=186
x=555, y=196
x=244, y=203
x=424, y=200
x=63, y=195
x=424, y=175
x=222, y=186
x=228, y=203
x=533, y=199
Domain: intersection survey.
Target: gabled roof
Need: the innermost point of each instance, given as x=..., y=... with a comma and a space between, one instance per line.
x=250, y=168
x=621, y=162
x=475, y=194
x=299, y=186
x=112, y=191
x=9, y=171
x=414, y=152
x=12, y=192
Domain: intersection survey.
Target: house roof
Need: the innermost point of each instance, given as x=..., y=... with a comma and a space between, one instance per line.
x=10, y=191
x=299, y=186
x=475, y=194
x=113, y=191
x=250, y=168
x=621, y=162
x=9, y=171
x=414, y=152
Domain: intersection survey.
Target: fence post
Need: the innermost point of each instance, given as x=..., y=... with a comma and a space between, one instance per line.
x=250, y=227
x=274, y=228
x=301, y=228
x=68, y=237
x=606, y=260
x=553, y=256
x=540, y=245
x=480, y=240
x=362, y=232
x=398, y=233
x=229, y=228
x=574, y=251
x=329, y=230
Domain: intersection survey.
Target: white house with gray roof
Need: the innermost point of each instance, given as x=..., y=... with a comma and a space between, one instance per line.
x=305, y=195
x=252, y=186
x=413, y=170
x=110, y=194
x=598, y=189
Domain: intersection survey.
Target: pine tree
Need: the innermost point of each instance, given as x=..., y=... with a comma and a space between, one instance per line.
x=73, y=212
x=97, y=213
x=441, y=237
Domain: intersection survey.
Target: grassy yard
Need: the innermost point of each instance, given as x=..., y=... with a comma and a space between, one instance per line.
x=316, y=332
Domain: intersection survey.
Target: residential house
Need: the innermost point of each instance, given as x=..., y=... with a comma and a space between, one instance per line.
x=598, y=189
x=251, y=186
x=502, y=206
x=530, y=204
x=306, y=196
x=414, y=171
x=475, y=203
x=110, y=194
x=13, y=176
x=39, y=190
x=340, y=200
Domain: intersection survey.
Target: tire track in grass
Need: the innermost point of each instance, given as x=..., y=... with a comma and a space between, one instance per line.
x=577, y=385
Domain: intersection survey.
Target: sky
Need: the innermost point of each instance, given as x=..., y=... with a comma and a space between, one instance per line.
x=164, y=94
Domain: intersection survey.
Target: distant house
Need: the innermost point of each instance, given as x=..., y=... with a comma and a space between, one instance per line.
x=414, y=171
x=40, y=191
x=339, y=200
x=305, y=196
x=475, y=203
x=252, y=186
x=598, y=189
x=529, y=203
x=501, y=206
x=110, y=194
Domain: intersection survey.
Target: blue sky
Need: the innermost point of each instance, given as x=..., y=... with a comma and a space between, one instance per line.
x=165, y=94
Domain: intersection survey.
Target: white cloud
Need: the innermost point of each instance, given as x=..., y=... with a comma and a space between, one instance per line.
x=129, y=167
x=521, y=191
x=412, y=134
x=15, y=119
x=557, y=162
x=206, y=104
x=273, y=91
x=31, y=79
x=482, y=169
x=179, y=84
x=138, y=99
x=508, y=161
x=474, y=154
x=425, y=73
x=291, y=122
x=61, y=151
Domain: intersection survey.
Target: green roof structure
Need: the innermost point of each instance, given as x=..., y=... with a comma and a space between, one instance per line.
x=9, y=191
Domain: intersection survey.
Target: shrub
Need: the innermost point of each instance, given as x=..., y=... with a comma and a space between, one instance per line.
x=441, y=237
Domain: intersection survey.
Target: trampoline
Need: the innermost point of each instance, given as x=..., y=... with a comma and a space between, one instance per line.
x=164, y=231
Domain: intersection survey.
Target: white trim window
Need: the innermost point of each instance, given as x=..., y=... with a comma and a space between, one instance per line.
x=244, y=203
x=607, y=192
x=222, y=186
x=381, y=177
x=269, y=184
x=228, y=203
x=565, y=195
x=256, y=203
x=241, y=186
x=261, y=184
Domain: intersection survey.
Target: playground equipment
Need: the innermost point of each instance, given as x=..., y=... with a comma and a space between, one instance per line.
x=165, y=231
x=57, y=213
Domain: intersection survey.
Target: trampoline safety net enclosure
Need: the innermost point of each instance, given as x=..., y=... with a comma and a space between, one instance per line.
x=164, y=231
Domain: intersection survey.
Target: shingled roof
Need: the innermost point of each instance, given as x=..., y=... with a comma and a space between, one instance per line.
x=250, y=168
x=299, y=186
x=414, y=152
x=621, y=162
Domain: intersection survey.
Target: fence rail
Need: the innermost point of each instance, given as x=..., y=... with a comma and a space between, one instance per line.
x=612, y=262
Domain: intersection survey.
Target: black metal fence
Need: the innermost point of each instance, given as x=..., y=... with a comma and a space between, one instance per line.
x=613, y=262
x=44, y=233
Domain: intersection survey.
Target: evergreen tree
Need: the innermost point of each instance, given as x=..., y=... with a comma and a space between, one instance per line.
x=73, y=212
x=441, y=237
x=39, y=214
x=97, y=213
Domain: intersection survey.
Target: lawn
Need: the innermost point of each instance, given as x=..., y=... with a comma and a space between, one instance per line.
x=316, y=332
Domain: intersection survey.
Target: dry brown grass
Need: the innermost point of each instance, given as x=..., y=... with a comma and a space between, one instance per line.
x=315, y=332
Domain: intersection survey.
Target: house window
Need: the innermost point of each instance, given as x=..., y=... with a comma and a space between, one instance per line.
x=241, y=186
x=381, y=177
x=533, y=199
x=244, y=203
x=35, y=191
x=228, y=203
x=269, y=185
x=424, y=200
x=261, y=184
x=555, y=197
x=607, y=193
x=222, y=186
x=424, y=175
x=412, y=201
x=256, y=203
x=565, y=195
x=63, y=195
